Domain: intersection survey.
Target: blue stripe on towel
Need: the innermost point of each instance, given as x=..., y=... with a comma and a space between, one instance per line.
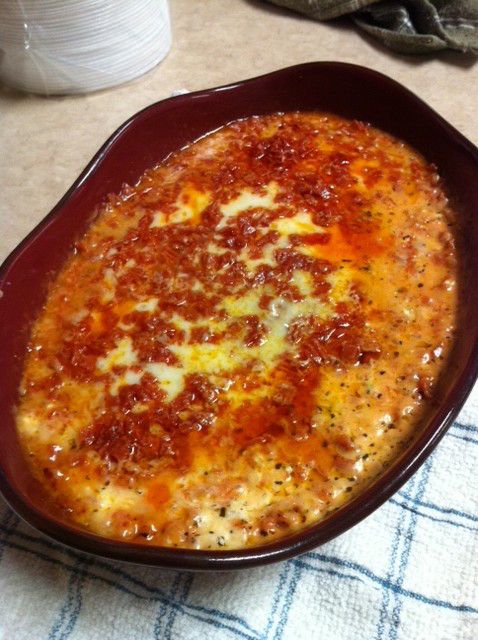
x=466, y=427
x=383, y=613
x=279, y=591
x=186, y=587
x=383, y=582
x=435, y=507
x=284, y=614
x=70, y=610
x=409, y=537
x=163, y=608
x=464, y=438
x=428, y=517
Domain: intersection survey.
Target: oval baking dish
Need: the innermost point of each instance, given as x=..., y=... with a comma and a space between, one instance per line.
x=144, y=141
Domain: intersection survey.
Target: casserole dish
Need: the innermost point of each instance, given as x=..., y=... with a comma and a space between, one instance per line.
x=145, y=140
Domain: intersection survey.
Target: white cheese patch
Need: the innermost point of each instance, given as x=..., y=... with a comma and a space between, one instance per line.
x=210, y=358
x=189, y=204
x=30, y=425
x=159, y=220
x=249, y=200
x=181, y=323
x=109, y=282
x=170, y=379
x=124, y=326
x=246, y=305
x=79, y=316
x=123, y=355
x=127, y=378
x=197, y=286
x=216, y=249
x=110, y=500
x=340, y=284
x=300, y=223
x=304, y=282
x=146, y=305
x=129, y=264
x=114, y=498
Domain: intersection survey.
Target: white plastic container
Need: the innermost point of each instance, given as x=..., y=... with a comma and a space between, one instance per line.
x=76, y=46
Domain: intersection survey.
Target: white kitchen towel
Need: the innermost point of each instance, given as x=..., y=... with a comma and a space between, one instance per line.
x=408, y=572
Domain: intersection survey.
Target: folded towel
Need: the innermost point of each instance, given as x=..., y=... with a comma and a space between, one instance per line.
x=408, y=572
x=407, y=26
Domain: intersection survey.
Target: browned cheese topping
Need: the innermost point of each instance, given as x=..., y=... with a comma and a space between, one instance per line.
x=246, y=338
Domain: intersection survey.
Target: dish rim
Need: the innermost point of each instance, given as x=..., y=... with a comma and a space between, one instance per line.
x=332, y=525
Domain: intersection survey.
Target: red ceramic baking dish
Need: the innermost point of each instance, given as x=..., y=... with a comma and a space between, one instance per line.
x=143, y=141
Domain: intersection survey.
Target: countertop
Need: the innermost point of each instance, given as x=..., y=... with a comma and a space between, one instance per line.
x=46, y=141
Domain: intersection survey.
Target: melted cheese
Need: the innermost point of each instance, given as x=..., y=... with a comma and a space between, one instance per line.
x=300, y=223
x=249, y=200
x=122, y=355
x=171, y=379
x=246, y=338
x=188, y=206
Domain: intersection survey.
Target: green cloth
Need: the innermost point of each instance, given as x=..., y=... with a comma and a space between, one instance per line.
x=407, y=26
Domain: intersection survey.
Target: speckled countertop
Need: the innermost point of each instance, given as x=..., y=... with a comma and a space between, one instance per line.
x=45, y=142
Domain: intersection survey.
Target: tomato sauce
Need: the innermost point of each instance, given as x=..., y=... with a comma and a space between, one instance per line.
x=245, y=338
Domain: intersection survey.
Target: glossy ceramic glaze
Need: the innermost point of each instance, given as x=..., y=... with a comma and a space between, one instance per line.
x=143, y=141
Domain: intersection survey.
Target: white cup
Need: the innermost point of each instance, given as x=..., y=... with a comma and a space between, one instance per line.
x=61, y=47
